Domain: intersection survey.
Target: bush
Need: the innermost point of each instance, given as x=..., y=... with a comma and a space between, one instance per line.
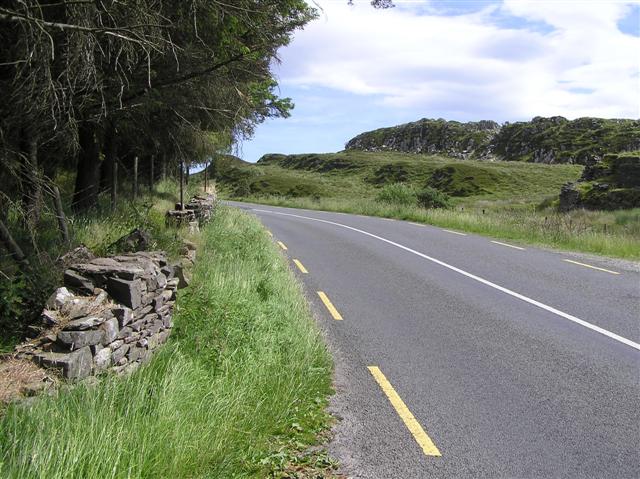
x=397, y=194
x=432, y=198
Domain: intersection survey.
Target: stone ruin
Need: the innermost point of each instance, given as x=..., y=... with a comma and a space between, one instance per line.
x=197, y=211
x=111, y=314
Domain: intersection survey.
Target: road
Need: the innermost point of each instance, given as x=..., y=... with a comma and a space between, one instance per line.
x=459, y=357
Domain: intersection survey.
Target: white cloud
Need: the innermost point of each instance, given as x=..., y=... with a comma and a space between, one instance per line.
x=472, y=66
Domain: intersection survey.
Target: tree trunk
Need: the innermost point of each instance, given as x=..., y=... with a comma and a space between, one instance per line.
x=85, y=195
x=181, y=185
x=11, y=245
x=32, y=180
x=186, y=176
x=163, y=159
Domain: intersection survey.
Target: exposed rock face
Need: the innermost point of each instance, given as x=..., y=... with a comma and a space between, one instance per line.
x=541, y=140
x=120, y=312
x=607, y=183
x=459, y=140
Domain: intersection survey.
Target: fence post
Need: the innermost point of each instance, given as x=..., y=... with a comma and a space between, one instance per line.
x=62, y=220
x=114, y=187
x=181, y=184
x=135, y=177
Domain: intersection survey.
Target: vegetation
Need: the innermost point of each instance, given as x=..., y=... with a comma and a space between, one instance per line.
x=241, y=383
x=510, y=200
x=541, y=140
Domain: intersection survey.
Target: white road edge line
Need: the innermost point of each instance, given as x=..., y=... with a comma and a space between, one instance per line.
x=455, y=232
x=508, y=245
x=522, y=297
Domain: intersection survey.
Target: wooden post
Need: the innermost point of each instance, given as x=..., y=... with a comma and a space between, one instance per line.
x=62, y=220
x=164, y=166
x=206, y=165
x=135, y=177
x=151, y=173
x=186, y=177
x=11, y=245
x=181, y=184
x=114, y=186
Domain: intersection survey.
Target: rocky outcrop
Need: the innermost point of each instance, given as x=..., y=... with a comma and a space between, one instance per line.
x=111, y=314
x=541, y=140
x=607, y=183
x=452, y=138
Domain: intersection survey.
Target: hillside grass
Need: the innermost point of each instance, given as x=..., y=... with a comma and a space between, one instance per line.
x=241, y=383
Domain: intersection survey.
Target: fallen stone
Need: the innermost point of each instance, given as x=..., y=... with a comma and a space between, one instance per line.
x=79, y=339
x=59, y=298
x=83, y=324
x=79, y=254
x=126, y=292
x=136, y=240
x=75, y=365
x=49, y=318
x=183, y=274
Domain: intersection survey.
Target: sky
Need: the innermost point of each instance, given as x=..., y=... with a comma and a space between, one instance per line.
x=356, y=69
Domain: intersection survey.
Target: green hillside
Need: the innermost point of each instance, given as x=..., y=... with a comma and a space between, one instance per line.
x=359, y=174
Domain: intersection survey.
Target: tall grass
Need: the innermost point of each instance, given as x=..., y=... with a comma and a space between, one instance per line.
x=244, y=365
x=614, y=234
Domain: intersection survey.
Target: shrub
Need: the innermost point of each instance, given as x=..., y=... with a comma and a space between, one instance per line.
x=397, y=194
x=432, y=198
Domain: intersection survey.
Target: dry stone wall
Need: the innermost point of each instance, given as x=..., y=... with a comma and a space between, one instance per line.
x=112, y=314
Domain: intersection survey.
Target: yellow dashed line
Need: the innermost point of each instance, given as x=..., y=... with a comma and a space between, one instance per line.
x=282, y=245
x=417, y=224
x=300, y=266
x=270, y=233
x=592, y=267
x=332, y=309
x=419, y=434
x=508, y=245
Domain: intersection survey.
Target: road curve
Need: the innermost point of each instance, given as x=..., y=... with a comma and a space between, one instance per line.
x=458, y=356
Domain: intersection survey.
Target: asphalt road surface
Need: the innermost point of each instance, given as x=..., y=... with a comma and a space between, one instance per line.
x=459, y=357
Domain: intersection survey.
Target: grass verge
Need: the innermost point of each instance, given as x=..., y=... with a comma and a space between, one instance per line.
x=243, y=378
x=579, y=230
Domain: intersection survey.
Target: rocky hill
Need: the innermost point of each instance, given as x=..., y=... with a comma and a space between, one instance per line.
x=541, y=140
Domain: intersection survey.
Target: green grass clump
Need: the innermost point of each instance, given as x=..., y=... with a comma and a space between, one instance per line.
x=397, y=194
x=244, y=372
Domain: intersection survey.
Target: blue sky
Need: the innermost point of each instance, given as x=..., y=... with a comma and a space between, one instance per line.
x=355, y=68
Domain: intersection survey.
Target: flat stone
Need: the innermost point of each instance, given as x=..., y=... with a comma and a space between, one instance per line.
x=156, y=326
x=82, y=324
x=161, y=280
x=79, y=339
x=138, y=325
x=59, y=298
x=102, y=359
x=123, y=314
x=135, y=353
x=73, y=365
x=118, y=354
x=77, y=308
x=125, y=333
x=110, y=329
x=78, y=282
x=128, y=271
x=49, y=317
x=126, y=292
x=116, y=344
x=142, y=312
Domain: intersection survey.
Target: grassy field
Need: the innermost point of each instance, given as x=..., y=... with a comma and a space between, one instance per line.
x=238, y=390
x=508, y=200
